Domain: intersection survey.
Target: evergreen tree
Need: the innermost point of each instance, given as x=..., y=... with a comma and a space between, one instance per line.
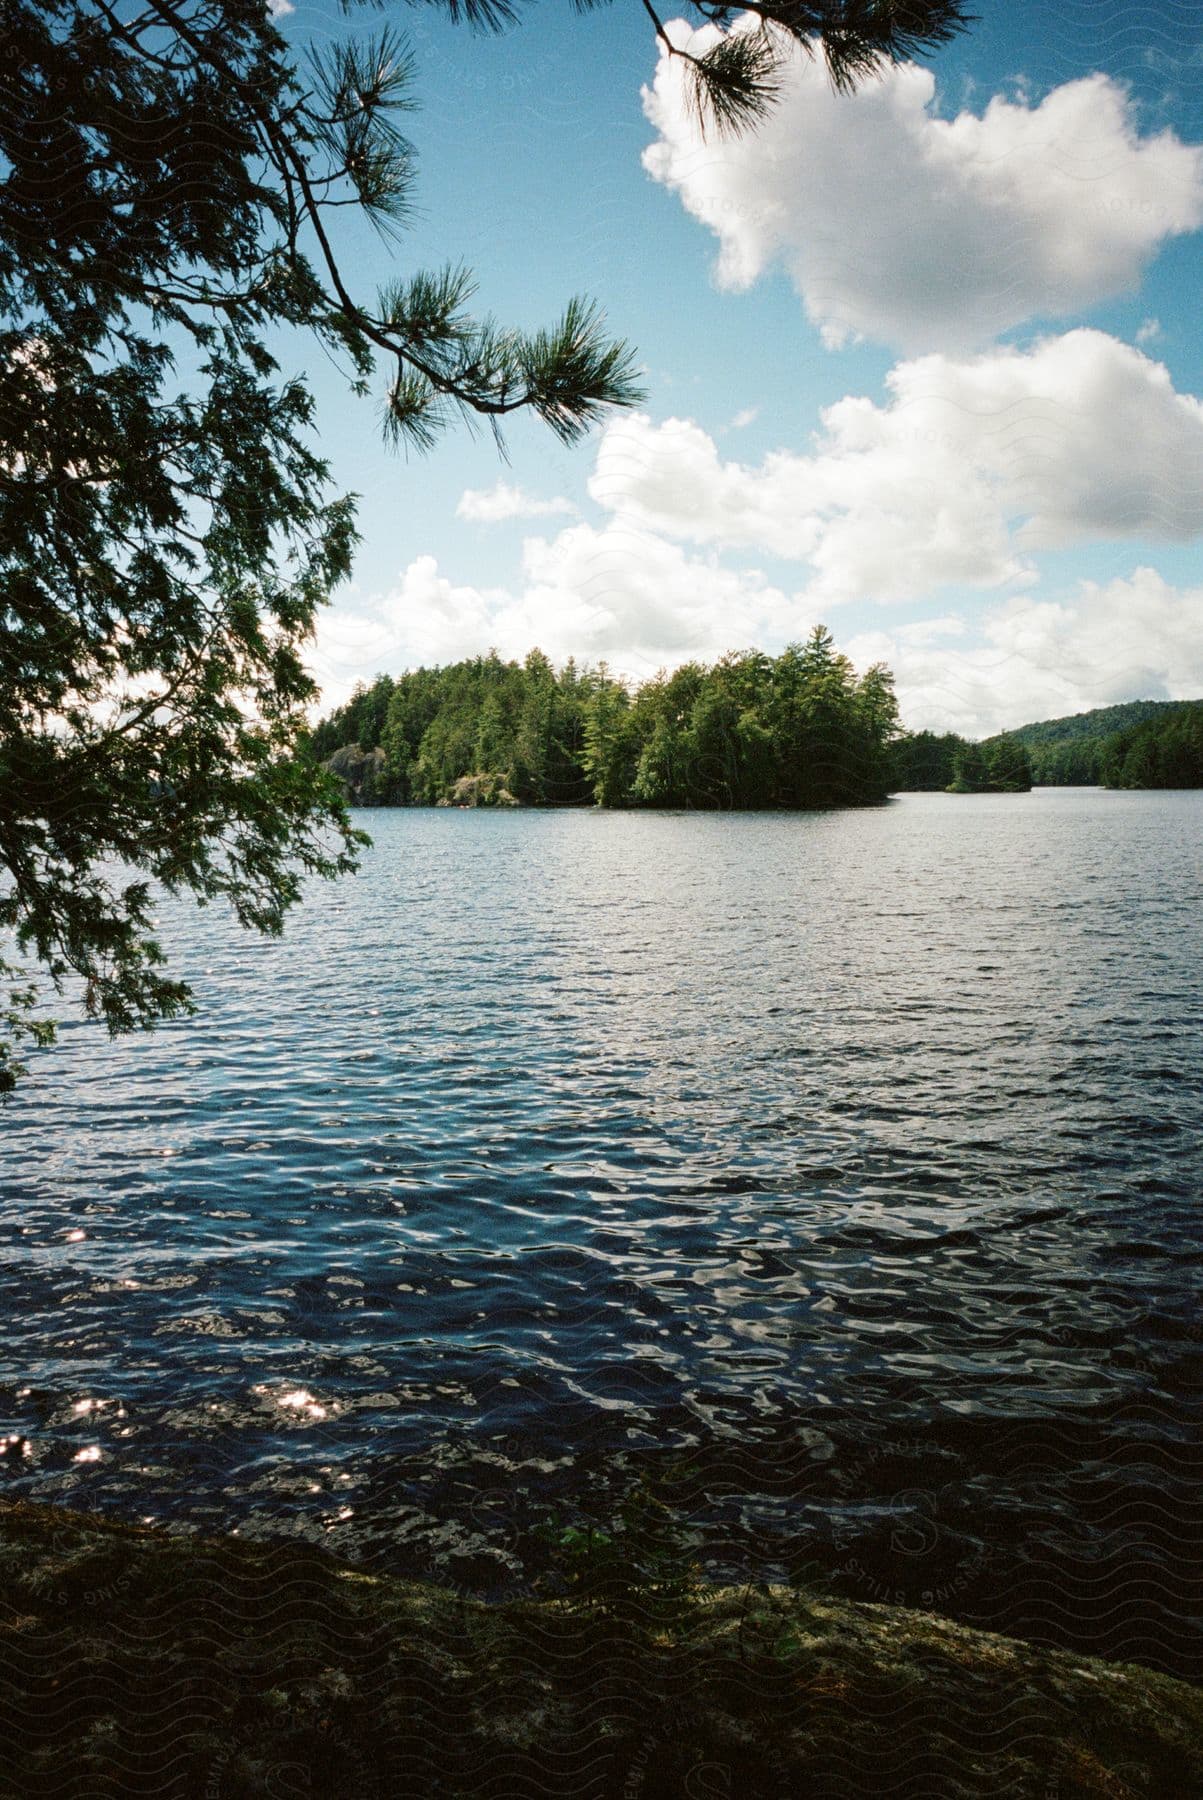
x=711, y=747
x=786, y=722
x=828, y=750
x=1010, y=770
x=607, y=748
x=970, y=771
x=922, y=761
x=566, y=782
x=877, y=713
x=659, y=768
x=532, y=747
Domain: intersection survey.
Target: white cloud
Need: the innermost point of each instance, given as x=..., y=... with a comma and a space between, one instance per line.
x=639, y=600
x=669, y=478
x=922, y=232
x=489, y=506
x=955, y=480
x=1148, y=331
x=1135, y=638
x=745, y=417
x=620, y=594
x=643, y=604
x=967, y=468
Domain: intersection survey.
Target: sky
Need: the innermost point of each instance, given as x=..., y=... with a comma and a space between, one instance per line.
x=922, y=364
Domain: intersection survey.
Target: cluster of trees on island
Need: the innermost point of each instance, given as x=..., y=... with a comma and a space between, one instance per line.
x=800, y=729
x=934, y=762
x=796, y=730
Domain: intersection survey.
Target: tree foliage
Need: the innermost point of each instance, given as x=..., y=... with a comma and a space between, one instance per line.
x=170, y=178
x=1082, y=748
x=167, y=528
x=999, y=766
x=1138, y=744
x=735, y=81
x=1166, y=751
x=923, y=761
x=797, y=730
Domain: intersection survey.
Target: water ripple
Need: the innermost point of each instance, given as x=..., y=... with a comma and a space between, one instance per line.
x=842, y=1170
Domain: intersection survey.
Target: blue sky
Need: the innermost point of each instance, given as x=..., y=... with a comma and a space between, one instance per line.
x=922, y=364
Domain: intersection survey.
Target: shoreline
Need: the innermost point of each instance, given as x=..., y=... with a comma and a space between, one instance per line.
x=138, y=1662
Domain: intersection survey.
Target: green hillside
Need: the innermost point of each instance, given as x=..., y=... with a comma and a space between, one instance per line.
x=1100, y=722
x=1097, y=746
x=1141, y=743
x=1086, y=749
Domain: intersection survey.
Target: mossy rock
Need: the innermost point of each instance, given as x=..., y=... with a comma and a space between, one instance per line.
x=141, y=1663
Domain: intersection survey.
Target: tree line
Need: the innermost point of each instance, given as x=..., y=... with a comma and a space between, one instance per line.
x=798, y=730
x=1085, y=749
x=1141, y=744
x=1165, y=751
x=943, y=762
x=801, y=729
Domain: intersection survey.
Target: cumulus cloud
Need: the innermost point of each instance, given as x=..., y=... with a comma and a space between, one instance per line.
x=921, y=232
x=643, y=604
x=1133, y=638
x=629, y=597
x=956, y=479
x=969, y=466
x=489, y=506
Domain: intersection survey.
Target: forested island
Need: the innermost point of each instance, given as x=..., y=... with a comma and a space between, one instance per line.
x=801, y=729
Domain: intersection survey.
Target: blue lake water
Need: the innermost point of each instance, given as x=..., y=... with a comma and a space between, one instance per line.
x=838, y=1172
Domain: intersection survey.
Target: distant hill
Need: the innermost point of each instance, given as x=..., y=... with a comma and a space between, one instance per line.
x=1100, y=722
x=1141, y=743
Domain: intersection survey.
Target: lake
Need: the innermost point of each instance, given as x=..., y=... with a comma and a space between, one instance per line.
x=838, y=1173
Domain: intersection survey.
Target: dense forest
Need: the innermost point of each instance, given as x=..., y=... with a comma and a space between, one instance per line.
x=1089, y=748
x=942, y=762
x=800, y=729
x=1141, y=744
x=796, y=730
x=999, y=766
x=1166, y=751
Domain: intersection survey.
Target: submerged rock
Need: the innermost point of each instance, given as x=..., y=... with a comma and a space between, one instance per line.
x=139, y=1663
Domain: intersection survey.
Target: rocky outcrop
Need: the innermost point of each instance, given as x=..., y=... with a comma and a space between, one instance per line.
x=480, y=790
x=136, y=1663
x=360, y=772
